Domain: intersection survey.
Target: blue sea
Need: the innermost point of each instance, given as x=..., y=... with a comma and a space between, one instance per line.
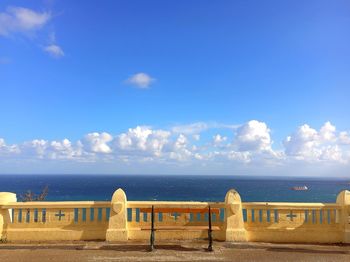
x=171, y=187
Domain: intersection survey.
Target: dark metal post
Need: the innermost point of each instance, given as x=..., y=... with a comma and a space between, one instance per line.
x=152, y=229
x=210, y=237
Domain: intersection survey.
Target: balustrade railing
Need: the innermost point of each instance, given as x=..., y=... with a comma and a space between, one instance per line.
x=185, y=216
x=58, y=213
x=52, y=220
x=290, y=214
x=120, y=220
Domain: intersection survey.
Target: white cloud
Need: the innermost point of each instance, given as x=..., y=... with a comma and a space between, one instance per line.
x=7, y=149
x=35, y=147
x=180, y=150
x=54, y=50
x=144, y=140
x=140, y=80
x=22, y=20
x=331, y=153
x=302, y=142
x=218, y=139
x=196, y=137
x=98, y=142
x=181, y=142
x=344, y=138
x=228, y=156
x=135, y=138
x=190, y=129
x=53, y=150
x=327, y=132
x=253, y=136
x=311, y=145
x=244, y=157
x=65, y=150
x=250, y=148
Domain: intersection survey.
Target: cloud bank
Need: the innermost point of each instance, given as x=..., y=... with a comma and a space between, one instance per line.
x=249, y=147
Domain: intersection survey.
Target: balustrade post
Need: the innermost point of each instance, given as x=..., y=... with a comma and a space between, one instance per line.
x=234, y=224
x=117, y=228
x=5, y=214
x=343, y=199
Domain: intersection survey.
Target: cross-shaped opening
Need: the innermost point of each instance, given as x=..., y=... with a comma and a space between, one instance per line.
x=60, y=214
x=291, y=215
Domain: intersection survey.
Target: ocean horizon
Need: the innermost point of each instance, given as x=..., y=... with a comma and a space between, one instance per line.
x=176, y=187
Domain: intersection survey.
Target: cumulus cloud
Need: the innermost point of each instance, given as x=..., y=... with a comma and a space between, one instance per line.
x=308, y=144
x=218, y=139
x=98, y=142
x=327, y=132
x=181, y=142
x=54, y=150
x=54, y=50
x=302, y=142
x=35, y=147
x=22, y=20
x=140, y=80
x=180, y=149
x=7, y=149
x=251, y=145
x=244, y=157
x=344, y=138
x=143, y=140
x=65, y=150
x=253, y=136
x=2, y=142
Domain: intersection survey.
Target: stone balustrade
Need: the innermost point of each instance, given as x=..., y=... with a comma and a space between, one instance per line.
x=122, y=220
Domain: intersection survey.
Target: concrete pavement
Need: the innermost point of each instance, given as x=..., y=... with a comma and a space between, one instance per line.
x=171, y=251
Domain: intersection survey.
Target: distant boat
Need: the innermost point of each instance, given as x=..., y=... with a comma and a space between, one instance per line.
x=300, y=188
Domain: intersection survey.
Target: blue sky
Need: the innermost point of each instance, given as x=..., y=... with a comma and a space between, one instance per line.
x=252, y=72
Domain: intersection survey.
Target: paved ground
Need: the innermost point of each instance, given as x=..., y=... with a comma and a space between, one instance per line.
x=174, y=251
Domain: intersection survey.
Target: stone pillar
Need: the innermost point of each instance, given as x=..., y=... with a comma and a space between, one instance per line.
x=117, y=229
x=235, y=230
x=343, y=199
x=5, y=214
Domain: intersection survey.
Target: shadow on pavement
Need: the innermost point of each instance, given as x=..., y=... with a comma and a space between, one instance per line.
x=304, y=250
x=147, y=248
x=142, y=248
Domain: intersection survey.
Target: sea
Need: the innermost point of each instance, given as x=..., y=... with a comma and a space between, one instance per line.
x=176, y=187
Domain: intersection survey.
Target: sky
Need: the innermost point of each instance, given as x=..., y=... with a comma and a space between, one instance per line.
x=175, y=87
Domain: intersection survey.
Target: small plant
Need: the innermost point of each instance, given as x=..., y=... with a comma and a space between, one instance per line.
x=30, y=196
x=3, y=240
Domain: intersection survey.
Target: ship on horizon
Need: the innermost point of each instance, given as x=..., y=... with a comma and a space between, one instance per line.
x=300, y=188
